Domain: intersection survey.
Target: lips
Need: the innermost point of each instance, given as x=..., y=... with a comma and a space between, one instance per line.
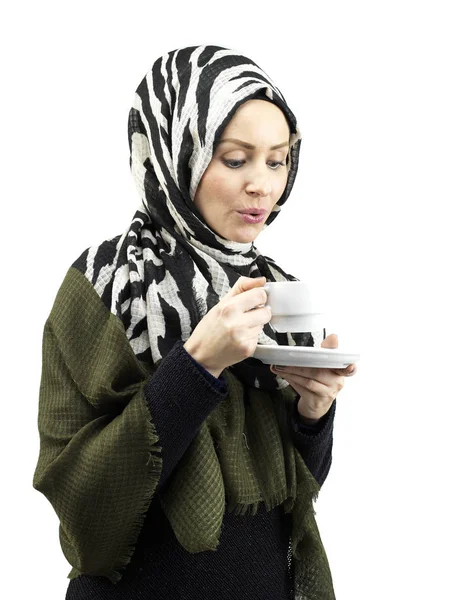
x=252, y=219
x=253, y=211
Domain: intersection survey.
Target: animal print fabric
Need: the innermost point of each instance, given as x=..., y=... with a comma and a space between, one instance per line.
x=169, y=268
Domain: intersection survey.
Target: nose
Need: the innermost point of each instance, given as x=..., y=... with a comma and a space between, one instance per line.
x=259, y=182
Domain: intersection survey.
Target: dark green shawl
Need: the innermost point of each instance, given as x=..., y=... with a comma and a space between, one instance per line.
x=97, y=463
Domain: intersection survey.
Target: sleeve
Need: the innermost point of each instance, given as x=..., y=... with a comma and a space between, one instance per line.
x=100, y=459
x=315, y=442
x=218, y=382
x=180, y=396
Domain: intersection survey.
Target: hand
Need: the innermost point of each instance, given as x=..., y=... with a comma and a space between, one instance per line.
x=317, y=387
x=229, y=332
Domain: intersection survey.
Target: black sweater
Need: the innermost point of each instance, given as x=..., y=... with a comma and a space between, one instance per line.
x=252, y=560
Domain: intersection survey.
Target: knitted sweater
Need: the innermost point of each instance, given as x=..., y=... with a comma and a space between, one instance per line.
x=252, y=560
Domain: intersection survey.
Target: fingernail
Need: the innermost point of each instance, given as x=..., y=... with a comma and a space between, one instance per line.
x=278, y=368
x=351, y=370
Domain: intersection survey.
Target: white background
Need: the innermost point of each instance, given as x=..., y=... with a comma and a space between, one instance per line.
x=366, y=218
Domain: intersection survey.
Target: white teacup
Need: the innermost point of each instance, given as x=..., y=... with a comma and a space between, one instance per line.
x=295, y=307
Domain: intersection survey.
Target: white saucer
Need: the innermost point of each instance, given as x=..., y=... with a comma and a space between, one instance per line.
x=304, y=356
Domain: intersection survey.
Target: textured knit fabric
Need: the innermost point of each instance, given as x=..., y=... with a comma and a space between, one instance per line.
x=250, y=563
x=121, y=309
x=220, y=384
x=253, y=558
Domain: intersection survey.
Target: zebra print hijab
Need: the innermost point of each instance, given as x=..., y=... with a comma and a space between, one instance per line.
x=170, y=268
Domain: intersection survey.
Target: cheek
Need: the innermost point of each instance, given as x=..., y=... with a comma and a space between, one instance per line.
x=219, y=189
x=281, y=185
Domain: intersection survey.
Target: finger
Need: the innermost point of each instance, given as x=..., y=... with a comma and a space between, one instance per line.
x=330, y=341
x=243, y=284
x=325, y=376
x=257, y=317
x=312, y=385
x=348, y=371
x=247, y=295
x=253, y=332
x=249, y=300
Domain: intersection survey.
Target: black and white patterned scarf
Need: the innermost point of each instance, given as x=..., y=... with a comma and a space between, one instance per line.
x=170, y=268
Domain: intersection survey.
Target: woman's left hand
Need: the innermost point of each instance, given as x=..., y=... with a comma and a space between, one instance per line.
x=317, y=387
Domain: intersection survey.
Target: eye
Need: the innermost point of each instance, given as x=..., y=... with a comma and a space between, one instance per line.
x=278, y=164
x=235, y=164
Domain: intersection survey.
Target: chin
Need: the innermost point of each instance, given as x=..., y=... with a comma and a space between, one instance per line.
x=244, y=239
x=241, y=236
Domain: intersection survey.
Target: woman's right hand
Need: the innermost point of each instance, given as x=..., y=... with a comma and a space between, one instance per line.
x=229, y=332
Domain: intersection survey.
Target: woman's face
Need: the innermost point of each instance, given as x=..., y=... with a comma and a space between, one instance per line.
x=246, y=172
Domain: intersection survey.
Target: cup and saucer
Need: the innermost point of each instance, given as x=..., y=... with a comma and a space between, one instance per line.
x=296, y=308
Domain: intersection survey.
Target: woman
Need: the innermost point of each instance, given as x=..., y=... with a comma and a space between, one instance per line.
x=179, y=465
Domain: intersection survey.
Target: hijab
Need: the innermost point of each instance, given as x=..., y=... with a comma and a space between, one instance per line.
x=170, y=267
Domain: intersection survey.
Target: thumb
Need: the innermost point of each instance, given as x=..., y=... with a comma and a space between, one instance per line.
x=331, y=341
x=245, y=283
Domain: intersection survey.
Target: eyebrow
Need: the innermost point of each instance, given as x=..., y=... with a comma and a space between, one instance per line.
x=250, y=146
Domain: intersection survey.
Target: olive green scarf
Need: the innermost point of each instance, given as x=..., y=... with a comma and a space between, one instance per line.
x=98, y=464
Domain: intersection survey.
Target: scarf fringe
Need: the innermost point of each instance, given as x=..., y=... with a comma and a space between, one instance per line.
x=289, y=499
x=242, y=508
x=154, y=463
